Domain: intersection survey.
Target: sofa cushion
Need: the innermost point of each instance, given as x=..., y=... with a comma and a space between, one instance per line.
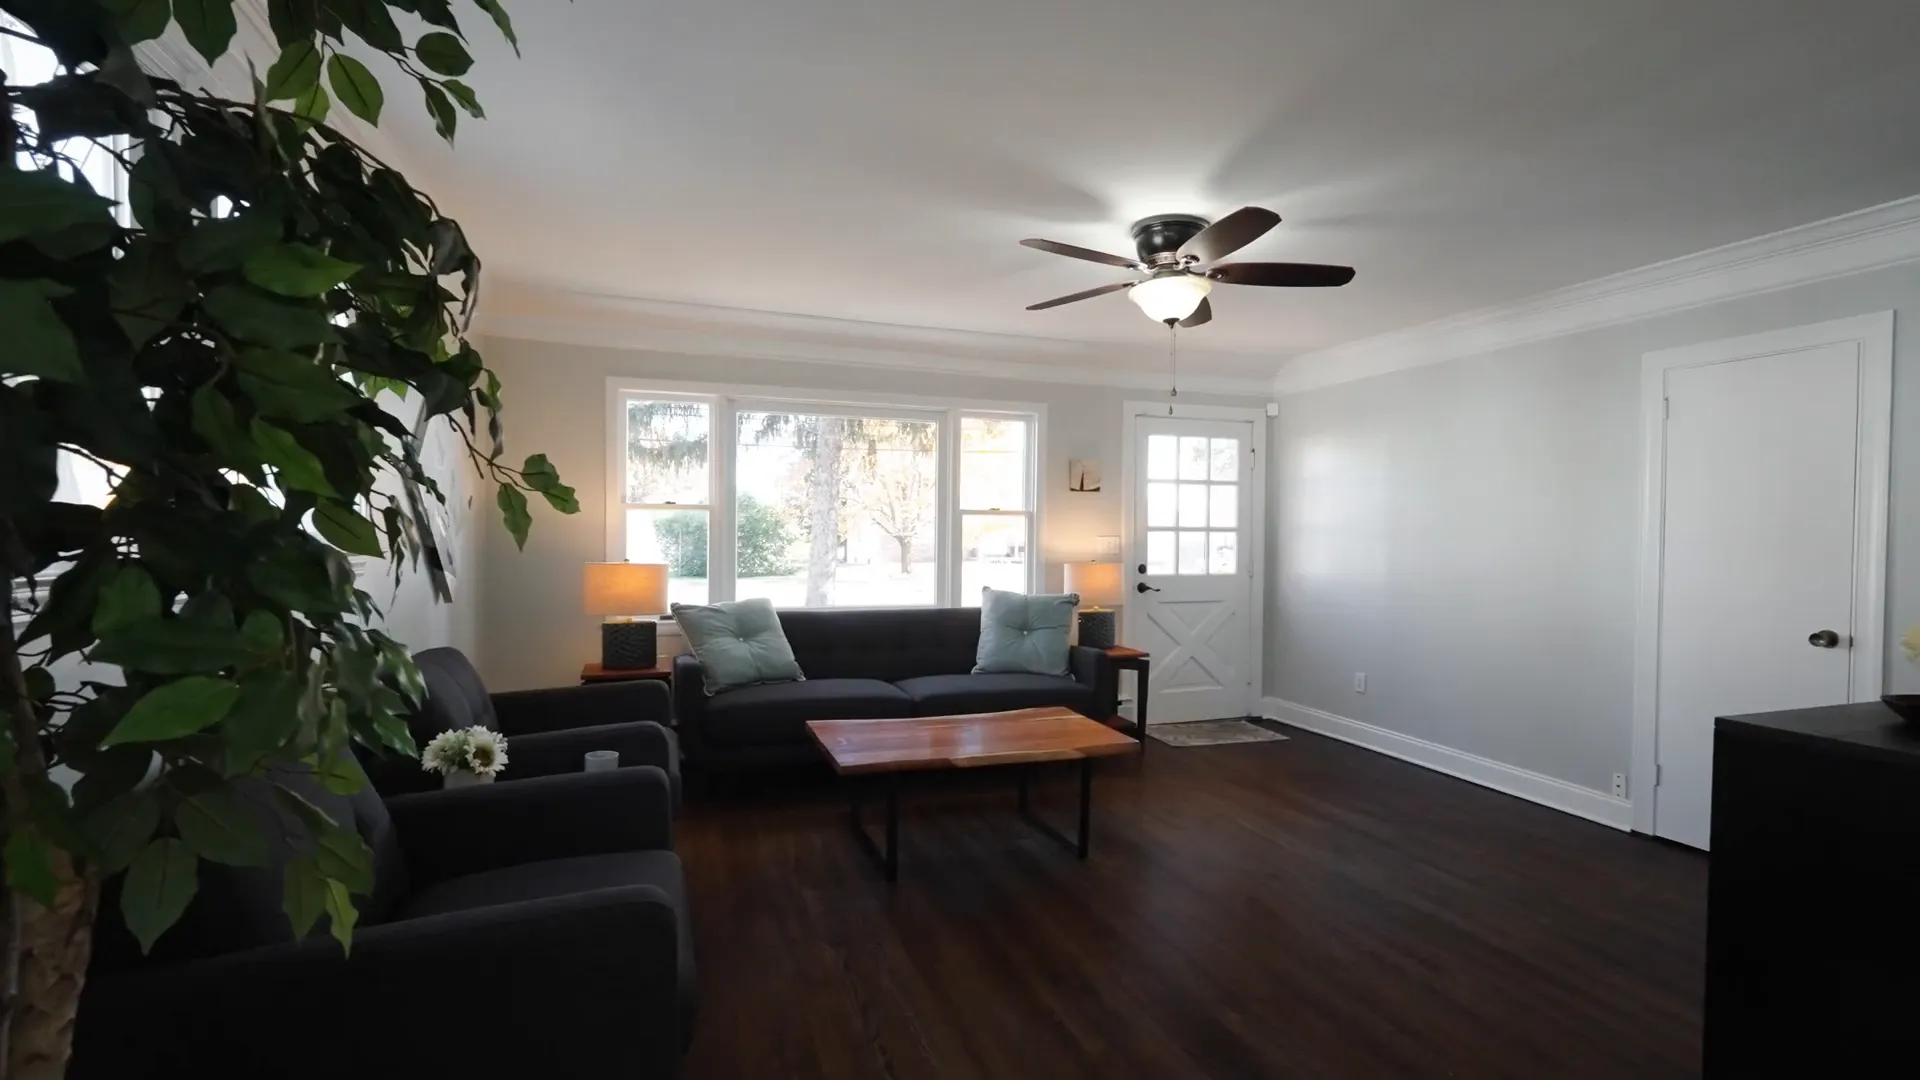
x=950, y=695
x=564, y=877
x=739, y=643
x=779, y=712
x=1022, y=633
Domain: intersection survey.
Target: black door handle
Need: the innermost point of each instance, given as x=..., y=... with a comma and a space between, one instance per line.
x=1824, y=639
x=1141, y=586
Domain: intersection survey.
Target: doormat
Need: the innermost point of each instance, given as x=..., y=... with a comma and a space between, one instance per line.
x=1213, y=733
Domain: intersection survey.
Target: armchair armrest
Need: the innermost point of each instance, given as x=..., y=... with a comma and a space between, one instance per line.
x=525, y=712
x=553, y=753
x=1093, y=667
x=590, y=981
x=447, y=834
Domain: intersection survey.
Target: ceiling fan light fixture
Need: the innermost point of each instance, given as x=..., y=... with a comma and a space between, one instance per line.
x=1170, y=297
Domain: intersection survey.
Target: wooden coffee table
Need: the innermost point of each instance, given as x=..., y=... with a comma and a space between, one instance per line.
x=1024, y=737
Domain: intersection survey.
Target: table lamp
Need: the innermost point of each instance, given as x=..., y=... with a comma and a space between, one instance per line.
x=619, y=591
x=1098, y=584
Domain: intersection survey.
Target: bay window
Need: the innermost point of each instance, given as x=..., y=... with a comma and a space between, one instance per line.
x=822, y=503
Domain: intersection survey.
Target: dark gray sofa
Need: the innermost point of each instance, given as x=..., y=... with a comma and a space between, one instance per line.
x=865, y=664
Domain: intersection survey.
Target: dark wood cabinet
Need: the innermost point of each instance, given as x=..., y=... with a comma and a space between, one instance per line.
x=1813, y=896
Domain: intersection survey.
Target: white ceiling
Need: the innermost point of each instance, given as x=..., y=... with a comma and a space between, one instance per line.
x=878, y=160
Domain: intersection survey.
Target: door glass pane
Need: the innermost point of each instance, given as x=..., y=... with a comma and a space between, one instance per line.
x=1193, y=552
x=993, y=552
x=1193, y=457
x=1160, y=552
x=677, y=538
x=667, y=452
x=836, y=511
x=1161, y=509
x=1222, y=552
x=1162, y=452
x=1226, y=459
x=993, y=464
x=1193, y=506
x=1226, y=505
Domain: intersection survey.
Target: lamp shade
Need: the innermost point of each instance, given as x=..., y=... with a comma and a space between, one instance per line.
x=1098, y=583
x=1172, y=297
x=624, y=588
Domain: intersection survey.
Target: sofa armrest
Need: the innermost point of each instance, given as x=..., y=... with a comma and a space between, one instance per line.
x=555, y=753
x=1093, y=667
x=525, y=712
x=590, y=982
x=451, y=833
x=689, y=699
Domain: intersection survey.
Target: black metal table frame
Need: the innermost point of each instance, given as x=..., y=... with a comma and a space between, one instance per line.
x=889, y=856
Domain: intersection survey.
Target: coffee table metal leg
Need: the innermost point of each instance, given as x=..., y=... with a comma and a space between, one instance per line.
x=889, y=859
x=1080, y=844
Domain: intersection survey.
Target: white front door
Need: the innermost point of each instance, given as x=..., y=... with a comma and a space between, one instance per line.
x=1759, y=555
x=1190, y=566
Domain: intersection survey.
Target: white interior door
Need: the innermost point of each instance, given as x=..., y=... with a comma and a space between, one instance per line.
x=1759, y=554
x=1190, y=566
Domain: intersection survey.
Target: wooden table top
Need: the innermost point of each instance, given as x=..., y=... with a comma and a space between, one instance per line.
x=593, y=672
x=965, y=742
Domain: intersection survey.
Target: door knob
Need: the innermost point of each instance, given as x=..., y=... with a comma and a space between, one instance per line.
x=1141, y=586
x=1824, y=639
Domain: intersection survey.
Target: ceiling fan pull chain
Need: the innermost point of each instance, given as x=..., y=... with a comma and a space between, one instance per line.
x=1173, y=367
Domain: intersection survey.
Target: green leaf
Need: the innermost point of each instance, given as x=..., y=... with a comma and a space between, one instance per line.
x=159, y=885
x=562, y=498
x=36, y=202
x=356, y=87
x=173, y=709
x=141, y=20
x=371, y=20
x=341, y=914
x=40, y=684
x=264, y=320
x=225, y=243
x=170, y=647
x=513, y=509
x=500, y=19
x=122, y=827
x=344, y=857
x=221, y=827
x=296, y=72
x=443, y=54
x=128, y=597
x=148, y=290
x=313, y=106
x=208, y=25
x=38, y=342
x=30, y=864
x=539, y=472
x=263, y=633
x=214, y=422
x=265, y=717
x=445, y=120
x=304, y=895
x=296, y=467
x=290, y=386
x=464, y=94
x=338, y=775
x=297, y=270
x=291, y=20
x=347, y=530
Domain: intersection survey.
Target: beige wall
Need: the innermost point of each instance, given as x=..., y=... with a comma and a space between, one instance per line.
x=532, y=630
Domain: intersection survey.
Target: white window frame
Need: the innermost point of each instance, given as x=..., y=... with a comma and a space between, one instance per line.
x=726, y=401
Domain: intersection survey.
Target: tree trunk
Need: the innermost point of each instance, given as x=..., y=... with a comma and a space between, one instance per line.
x=824, y=481
x=43, y=951
x=906, y=554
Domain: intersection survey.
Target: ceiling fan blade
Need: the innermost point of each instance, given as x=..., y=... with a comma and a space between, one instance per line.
x=1084, y=295
x=1201, y=315
x=1071, y=252
x=1290, y=275
x=1229, y=234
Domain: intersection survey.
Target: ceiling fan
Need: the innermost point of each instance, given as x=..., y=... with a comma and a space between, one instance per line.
x=1180, y=254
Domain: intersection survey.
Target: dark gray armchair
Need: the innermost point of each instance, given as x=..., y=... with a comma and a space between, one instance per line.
x=538, y=928
x=548, y=731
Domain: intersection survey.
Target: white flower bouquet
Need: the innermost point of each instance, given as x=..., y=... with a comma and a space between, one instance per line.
x=465, y=756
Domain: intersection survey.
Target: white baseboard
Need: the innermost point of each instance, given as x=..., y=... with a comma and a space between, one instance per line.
x=1531, y=786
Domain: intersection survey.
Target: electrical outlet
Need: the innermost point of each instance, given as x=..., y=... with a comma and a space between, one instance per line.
x=1359, y=682
x=1619, y=785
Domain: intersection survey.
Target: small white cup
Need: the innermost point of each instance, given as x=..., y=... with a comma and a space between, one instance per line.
x=602, y=760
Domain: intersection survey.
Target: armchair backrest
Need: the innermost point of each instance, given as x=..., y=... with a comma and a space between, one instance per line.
x=456, y=698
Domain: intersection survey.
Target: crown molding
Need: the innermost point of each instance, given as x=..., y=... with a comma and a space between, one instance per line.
x=533, y=313
x=1859, y=242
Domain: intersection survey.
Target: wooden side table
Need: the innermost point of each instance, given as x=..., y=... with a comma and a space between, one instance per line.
x=594, y=673
x=1136, y=661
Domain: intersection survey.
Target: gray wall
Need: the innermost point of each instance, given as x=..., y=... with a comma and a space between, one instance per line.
x=1467, y=534
x=533, y=632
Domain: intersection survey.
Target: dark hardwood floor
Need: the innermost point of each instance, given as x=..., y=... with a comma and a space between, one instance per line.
x=1286, y=909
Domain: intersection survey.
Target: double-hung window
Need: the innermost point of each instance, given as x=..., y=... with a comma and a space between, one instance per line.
x=822, y=503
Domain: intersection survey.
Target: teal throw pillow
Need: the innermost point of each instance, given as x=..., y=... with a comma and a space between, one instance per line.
x=1023, y=633
x=738, y=643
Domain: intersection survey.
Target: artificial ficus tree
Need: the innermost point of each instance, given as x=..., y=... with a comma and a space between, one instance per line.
x=216, y=348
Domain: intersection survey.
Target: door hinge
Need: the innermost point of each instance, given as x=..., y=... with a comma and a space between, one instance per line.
x=1666, y=408
x=1656, y=775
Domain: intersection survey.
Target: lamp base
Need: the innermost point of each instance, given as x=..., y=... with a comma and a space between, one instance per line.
x=1097, y=628
x=629, y=646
